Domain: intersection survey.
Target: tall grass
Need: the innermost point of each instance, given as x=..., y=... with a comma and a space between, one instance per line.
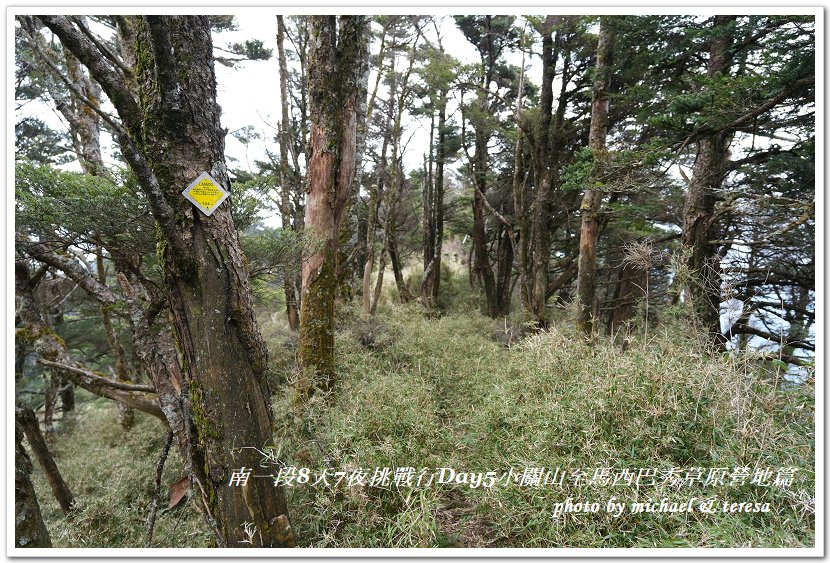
x=451, y=391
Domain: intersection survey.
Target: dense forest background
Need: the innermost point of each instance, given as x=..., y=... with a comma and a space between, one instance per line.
x=575, y=242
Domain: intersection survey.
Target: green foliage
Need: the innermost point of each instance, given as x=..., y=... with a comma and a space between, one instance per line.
x=576, y=175
x=252, y=49
x=76, y=206
x=37, y=142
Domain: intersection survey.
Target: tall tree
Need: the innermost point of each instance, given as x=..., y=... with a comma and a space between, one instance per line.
x=492, y=36
x=169, y=135
x=292, y=309
x=338, y=61
x=708, y=175
x=438, y=75
x=592, y=200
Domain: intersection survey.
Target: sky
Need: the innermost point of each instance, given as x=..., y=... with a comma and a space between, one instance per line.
x=249, y=93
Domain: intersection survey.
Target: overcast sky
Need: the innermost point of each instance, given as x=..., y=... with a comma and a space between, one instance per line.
x=249, y=93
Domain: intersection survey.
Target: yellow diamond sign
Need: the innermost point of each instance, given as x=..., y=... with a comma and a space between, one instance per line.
x=205, y=193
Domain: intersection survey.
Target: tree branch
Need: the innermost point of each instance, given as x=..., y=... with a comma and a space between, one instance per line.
x=71, y=268
x=69, y=84
x=743, y=328
x=91, y=377
x=161, y=209
x=139, y=397
x=102, y=47
x=111, y=82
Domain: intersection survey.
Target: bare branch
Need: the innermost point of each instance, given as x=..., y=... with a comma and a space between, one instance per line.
x=139, y=397
x=101, y=46
x=112, y=82
x=71, y=268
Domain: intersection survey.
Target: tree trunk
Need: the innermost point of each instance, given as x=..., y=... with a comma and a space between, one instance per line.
x=375, y=198
x=520, y=198
x=592, y=200
x=629, y=288
x=427, y=226
x=379, y=280
x=29, y=529
x=535, y=275
x=393, y=209
x=337, y=62
x=285, y=172
x=26, y=420
x=504, y=268
x=125, y=414
x=435, y=227
x=700, y=255
x=172, y=134
x=480, y=261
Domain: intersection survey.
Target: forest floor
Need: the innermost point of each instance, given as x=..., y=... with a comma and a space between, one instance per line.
x=465, y=392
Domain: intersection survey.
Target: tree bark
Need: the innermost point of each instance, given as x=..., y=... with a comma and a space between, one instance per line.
x=29, y=529
x=592, y=199
x=336, y=65
x=25, y=419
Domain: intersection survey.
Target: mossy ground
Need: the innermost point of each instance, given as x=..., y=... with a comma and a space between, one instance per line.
x=459, y=390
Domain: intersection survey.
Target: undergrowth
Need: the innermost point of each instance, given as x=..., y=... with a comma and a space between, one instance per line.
x=431, y=391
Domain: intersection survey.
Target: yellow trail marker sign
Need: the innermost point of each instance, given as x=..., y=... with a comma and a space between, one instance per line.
x=205, y=193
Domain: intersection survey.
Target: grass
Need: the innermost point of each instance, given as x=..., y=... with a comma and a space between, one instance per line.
x=111, y=474
x=448, y=391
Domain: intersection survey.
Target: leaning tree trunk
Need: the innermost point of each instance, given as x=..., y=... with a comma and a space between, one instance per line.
x=171, y=135
x=337, y=61
x=592, y=200
x=29, y=529
x=26, y=420
x=699, y=227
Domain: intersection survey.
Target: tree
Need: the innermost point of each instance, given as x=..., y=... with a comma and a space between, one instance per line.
x=29, y=529
x=739, y=104
x=491, y=35
x=438, y=75
x=169, y=133
x=338, y=61
x=285, y=171
x=592, y=200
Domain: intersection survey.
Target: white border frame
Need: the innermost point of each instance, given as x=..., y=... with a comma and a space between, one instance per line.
x=438, y=8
